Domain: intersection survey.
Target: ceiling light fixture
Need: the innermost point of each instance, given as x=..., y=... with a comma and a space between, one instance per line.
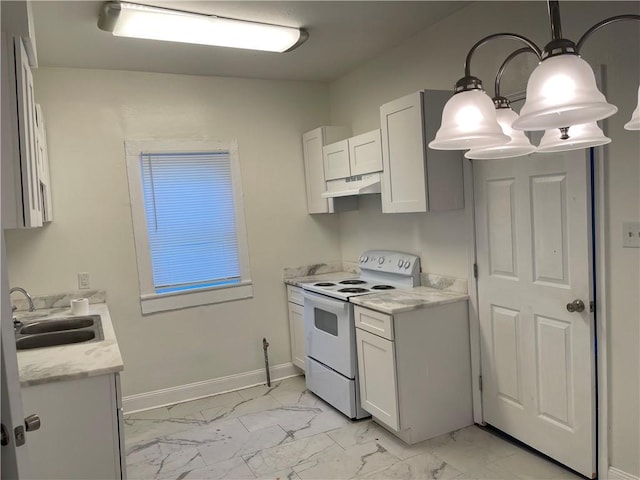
x=574, y=138
x=141, y=21
x=561, y=92
x=519, y=144
x=634, y=123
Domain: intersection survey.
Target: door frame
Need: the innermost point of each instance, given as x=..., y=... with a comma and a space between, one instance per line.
x=600, y=297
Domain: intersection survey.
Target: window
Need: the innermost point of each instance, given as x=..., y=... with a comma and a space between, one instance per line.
x=188, y=222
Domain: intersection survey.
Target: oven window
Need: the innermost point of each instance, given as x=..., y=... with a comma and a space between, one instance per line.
x=326, y=321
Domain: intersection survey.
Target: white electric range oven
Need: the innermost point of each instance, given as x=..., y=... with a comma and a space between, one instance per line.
x=331, y=363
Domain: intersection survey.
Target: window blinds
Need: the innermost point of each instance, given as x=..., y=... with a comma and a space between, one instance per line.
x=189, y=207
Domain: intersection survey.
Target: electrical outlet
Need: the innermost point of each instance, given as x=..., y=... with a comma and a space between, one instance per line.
x=631, y=234
x=84, y=281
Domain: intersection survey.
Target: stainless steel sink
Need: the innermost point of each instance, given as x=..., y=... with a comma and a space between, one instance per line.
x=59, y=331
x=70, y=323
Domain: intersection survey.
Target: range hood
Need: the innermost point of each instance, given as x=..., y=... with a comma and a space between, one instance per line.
x=358, y=185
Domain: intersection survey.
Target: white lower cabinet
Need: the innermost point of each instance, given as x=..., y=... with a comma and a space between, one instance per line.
x=378, y=381
x=81, y=434
x=296, y=326
x=415, y=369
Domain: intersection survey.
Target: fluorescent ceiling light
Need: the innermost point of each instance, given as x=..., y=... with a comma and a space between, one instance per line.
x=142, y=21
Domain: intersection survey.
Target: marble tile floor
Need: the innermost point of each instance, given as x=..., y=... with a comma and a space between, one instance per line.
x=286, y=432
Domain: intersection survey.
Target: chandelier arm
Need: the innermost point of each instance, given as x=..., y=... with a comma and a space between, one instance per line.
x=506, y=62
x=604, y=23
x=514, y=36
x=554, y=19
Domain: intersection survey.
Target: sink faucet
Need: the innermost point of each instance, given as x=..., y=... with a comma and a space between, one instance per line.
x=26, y=294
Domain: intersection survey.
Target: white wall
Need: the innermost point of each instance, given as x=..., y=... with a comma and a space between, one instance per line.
x=434, y=59
x=89, y=113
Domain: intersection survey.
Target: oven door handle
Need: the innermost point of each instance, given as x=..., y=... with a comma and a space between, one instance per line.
x=320, y=300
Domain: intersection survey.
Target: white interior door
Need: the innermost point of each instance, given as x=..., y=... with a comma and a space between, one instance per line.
x=14, y=464
x=533, y=229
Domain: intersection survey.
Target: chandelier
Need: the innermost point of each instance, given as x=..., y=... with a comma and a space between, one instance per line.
x=562, y=98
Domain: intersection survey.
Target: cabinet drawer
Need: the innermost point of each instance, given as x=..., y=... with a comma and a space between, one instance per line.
x=377, y=323
x=294, y=294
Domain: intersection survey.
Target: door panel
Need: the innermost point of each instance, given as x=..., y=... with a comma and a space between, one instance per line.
x=501, y=227
x=553, y=364
x=506, y=353
x=549, y=226
x=533, y=234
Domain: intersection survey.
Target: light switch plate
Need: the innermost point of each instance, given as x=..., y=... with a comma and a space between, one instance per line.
x=631, y=234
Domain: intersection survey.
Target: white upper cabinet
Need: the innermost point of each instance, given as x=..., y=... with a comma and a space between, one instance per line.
x=357, y=155
x=43, y=167
x=336, y=160
x=415, y=178
x=24, y=153
x=365, y=153
x=315, y=179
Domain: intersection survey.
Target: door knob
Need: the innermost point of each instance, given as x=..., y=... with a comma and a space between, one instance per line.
x=32, y=422
x=575, y=306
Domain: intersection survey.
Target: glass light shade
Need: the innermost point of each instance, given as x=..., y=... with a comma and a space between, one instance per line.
x=141, y=21
x=468, y=121
x=518, y=146
x=562, y=92
x=580, y=136
x=634, y=123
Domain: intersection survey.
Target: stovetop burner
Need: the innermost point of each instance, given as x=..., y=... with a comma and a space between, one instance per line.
x=324, y=284
x=383, y=287
x=353, y=289
x=355, y=281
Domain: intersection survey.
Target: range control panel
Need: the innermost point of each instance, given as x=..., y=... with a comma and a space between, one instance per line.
x=390, y=261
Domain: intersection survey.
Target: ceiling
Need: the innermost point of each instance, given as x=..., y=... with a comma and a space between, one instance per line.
x=342, y=35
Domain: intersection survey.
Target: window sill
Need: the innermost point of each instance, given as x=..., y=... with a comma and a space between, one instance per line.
x=154, y=303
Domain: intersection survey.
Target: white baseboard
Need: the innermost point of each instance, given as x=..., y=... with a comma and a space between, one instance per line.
x=616, y=474
x=206, y=388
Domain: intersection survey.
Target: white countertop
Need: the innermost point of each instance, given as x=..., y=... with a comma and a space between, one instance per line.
x=66, y=362
x=404, y=300
x=390, y=301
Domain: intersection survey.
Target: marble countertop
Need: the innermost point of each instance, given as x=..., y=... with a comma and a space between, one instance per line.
x=392, y=301
x=397, y=301
x=66, y=362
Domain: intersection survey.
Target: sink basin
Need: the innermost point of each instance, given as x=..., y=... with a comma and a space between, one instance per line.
x=70, y=323
x=54, y=339
x=59, y=331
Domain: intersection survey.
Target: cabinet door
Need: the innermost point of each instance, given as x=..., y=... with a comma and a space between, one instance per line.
x=445, y=180
x=377, y=375
x=32, y=204
x=43, y=165
x=365, y=153
x=312, y=143
x=336, y=160
x=296, y=330
x=78, y=436
x=403, y=153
